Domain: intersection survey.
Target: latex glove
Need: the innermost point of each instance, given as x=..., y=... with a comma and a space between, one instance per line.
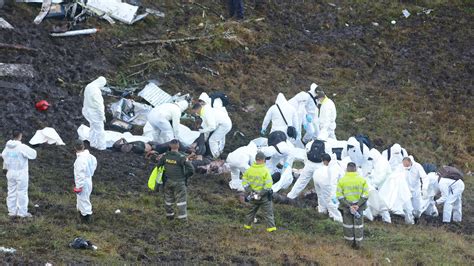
x=77, y=190
x=305, y=126
x=285, y=165
x=263, y=132
x=309, y=118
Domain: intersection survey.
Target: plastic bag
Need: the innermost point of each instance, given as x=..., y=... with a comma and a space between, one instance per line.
x=156, y=177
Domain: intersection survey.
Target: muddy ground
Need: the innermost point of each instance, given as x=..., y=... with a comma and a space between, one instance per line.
x=411, y=82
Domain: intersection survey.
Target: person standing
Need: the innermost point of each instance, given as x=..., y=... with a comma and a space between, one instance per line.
x=94, y=111
x=327, y=115
x=236, y=9
x=84, y=168
x=352, y=193
x=258, y=182
x=177, y=170
x=414, y=174
x=15, y=164
x=323, y=186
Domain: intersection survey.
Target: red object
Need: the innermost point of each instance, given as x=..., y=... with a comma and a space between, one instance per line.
x=77, y=190
x=42, y=105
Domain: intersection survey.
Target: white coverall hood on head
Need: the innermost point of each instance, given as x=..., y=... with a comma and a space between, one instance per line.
x=273, y=115
x=183, y=105
x=84, y=168
x=375, y=155
x=205, y=98
x=94, y=111
x=312, y=89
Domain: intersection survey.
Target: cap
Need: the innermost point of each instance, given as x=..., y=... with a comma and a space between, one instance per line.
x=260, y=156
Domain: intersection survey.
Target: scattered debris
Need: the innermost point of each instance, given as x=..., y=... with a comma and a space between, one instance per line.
x=213, y=72
x=120, y=125
x=44, y=11
x=80, y=243
x=393, y=22
x=347, y=25
x=5, y=25
x=112, y=136
x=46, y=135
x=17, y=70
x=375, y=24
x=226, y=35
x=238, y=133
x=155, y=13
x=42, y=105
x=406, y=13
x=154, y=94
x=36, y=206
x=358, y=120
x=425, y=11
x=388, y=260
x=332, y=4
x=17, y=47
x=130, y=111
x=7, y=250
x=122, y=12
x=74, y=33
x=209, y=9
x=250, y=108
x=117, y=211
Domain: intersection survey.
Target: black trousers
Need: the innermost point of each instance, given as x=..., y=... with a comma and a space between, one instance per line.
x=236, y=8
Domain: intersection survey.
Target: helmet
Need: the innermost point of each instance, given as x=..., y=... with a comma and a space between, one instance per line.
x=42, y=105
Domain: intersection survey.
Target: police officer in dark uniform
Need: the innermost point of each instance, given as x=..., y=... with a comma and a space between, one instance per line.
x=177, y=170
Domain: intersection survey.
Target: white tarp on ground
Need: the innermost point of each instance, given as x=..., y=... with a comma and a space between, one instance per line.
x=5, y=25
x=396, y=193
x=123, y=12
x=46, y=135
x=111, y=136
x=186, y=135
x=285, y=181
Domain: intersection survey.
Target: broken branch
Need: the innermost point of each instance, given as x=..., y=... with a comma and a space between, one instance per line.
x=17, y=47
x=169, y=41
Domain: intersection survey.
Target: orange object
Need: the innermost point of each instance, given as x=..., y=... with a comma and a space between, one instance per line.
x=42, y=105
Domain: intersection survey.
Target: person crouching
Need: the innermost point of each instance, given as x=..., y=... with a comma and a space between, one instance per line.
x=84, y=168
x=258, y=182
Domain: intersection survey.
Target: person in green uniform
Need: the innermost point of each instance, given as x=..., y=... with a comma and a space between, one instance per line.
x=176, y=172
x=352, y=193
x=258, y=182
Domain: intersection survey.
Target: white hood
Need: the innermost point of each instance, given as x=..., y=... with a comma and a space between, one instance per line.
x=396, y=149
x=312, y=89
x=13, y=143
x=205, y=98
x=183, y=105
x=353, y=142
x=374, y=154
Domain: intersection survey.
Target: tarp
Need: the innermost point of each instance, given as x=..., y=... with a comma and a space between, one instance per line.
x=111, y=136
x=396, y=193
x=285, y=181
x=46, y=135
x=186, y=135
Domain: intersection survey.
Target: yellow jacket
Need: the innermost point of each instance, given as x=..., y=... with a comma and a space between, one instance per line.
x=257, y=177
x=352, y=188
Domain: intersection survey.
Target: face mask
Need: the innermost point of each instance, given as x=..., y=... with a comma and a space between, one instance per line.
x=407, y=168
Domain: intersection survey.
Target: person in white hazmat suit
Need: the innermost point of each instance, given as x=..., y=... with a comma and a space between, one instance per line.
x=239, y=161
x=414, y=174
x=309, y=168
x=165, y=119
x=84, y=168
x=216, y=123
x=327, y=114
x=397, y=195
x=324, y=186
x=305, y=105
x=378, y=172
x=429, y=189
x=451, y=198
x=395, y=154
x=94, y=111
x=288, y=114
x=204, y=97
x=15, y=163
x=283, y=153
x=359, y=154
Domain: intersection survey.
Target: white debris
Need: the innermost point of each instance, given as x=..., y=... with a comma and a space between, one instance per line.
x=17, y=70
x=347, y=25
x=117, y=211
x=154, y=94
x=393, y=22
x=46, y=135
x=123, y=12
x=74, y=33
x=7, y=250
x=406, y=13
x=36, y=206
x=375, y=24
x=5, y=25
x=112, y=136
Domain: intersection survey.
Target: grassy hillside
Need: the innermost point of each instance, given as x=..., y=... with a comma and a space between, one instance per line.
x=409, y=83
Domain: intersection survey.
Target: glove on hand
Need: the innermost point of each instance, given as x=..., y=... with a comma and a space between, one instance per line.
x=77, y=190
x=309, y=118
x=263, y=132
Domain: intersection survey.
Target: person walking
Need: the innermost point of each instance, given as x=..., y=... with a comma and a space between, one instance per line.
x=177, y=169
x=352, y=193
x=84, y=168
x=258, y=182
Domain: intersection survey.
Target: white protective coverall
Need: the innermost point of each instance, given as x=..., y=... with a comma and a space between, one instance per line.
x=94, y=111
x=429, y=190
x=165, y=119
x=218, y=122
x=327, y=117
x=397, y=153
x=415, y=176
x=307, y=111
x=284, y=155
x=324, y=186
x=451, y=196
x=217, y=102
x=307, y=172
x=358, y=156
x=15, y=161
x=239, y=161
x=273, y=115
x=377, y=174
x=84, y=168
x=396, y=193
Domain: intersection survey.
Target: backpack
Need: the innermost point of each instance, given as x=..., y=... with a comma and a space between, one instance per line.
x=224, y=98
x=451, y=173
x=276, y=137
x=316, y=152
x=429, y=168
x=363, y=139
x=290, y=130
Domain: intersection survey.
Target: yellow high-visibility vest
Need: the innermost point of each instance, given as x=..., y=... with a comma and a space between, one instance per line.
x=352, y=187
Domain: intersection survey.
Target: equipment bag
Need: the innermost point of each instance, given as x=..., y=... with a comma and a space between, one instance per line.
x=276, y=137
x=316, y=152
x=451, y=173
x=224, y=98
x=156, y=177
x=290, y=131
